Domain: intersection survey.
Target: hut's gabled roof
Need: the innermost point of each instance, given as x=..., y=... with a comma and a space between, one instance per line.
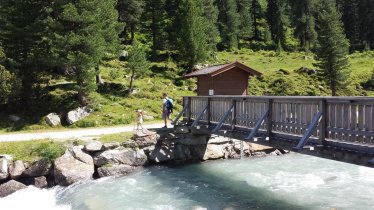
x=215, y=70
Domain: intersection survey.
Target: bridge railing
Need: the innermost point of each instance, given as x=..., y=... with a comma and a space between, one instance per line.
x=343, y=119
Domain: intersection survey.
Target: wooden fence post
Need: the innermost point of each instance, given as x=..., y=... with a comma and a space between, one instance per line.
x=323, y=122
x=269, y=120
x=233, y=115
x=208, y=111
x=189, y=110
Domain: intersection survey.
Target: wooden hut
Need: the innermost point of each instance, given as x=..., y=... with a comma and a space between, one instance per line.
x=227, y=79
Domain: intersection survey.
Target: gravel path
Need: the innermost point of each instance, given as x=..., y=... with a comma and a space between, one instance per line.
x=69, y=134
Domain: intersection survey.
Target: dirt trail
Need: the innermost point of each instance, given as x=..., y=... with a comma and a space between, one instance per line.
x=69, y=134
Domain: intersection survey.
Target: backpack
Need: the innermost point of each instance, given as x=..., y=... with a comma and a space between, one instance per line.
x=169, y=105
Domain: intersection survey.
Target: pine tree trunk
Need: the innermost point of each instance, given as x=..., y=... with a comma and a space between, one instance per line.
x=333, y=88
x=131, y=81
x=82, y=98
x=132, y=34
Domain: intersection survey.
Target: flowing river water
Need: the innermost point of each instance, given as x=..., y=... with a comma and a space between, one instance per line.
x=284, y=183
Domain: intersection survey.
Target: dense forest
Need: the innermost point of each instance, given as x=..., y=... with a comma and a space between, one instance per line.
x=42, y=40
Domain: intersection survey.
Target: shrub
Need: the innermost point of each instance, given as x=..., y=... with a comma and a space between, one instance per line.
x=49, y=151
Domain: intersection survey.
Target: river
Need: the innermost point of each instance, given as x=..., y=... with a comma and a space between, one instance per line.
x=287, y=182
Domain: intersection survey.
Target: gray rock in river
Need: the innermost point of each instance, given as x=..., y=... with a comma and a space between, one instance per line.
x=69, y=170
x=5, y=161
x=40, y=182
x=10, y=187
x=38, y=168
x=16, y=169
x=214, y=151
x=114, y=170
x=121, y=156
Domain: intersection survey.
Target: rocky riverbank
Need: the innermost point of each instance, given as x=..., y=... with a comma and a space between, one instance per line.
x=95, y=159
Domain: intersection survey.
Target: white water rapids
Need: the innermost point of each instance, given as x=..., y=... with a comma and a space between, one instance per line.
x=285, y=182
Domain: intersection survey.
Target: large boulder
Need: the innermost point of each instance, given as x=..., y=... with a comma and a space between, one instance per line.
x=10, y=187
x=5, y=161
x=145, y=138
x=77, y=114
x=111, y=145
x=53, y=119
x=161, y=154
x=114, y=170
x=93, y=146
x=121, y=156
x=78, y=154
x=69, y=170
x=38, y=168
x=16, y=169
x=214, y=151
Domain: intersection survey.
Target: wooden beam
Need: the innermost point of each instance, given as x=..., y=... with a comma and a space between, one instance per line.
x=223, y=118
x=308, y=132
x=175, y=121
x=197, y=120
x=257, y=126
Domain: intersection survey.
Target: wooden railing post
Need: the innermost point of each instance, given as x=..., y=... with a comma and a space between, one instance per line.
x=269, y=120
x=233, y=115
x=323, y=122
x=208, y=112
x=189, y=110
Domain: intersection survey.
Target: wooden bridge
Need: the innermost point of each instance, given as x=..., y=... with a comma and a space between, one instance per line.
x=332, y=126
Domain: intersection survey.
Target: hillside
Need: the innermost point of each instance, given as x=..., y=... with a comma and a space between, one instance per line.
x=112, y=106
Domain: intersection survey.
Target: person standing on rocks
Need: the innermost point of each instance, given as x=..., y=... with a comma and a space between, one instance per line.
x=167, y=108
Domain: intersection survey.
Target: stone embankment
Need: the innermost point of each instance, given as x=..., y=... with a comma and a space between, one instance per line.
x=95, y=159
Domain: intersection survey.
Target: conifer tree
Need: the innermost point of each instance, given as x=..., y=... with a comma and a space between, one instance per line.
x=210, y=15
x=26, y=42
x=304, y=23
x=84, y=32
x=278, y=21
x=366, y=11
x=351, y=21
x=130, y=12
x=137, y=63
x=154, y=23
x=8, y=82
x=194, y=40
x=332, y=49
x=245, y=26
x=228, y=23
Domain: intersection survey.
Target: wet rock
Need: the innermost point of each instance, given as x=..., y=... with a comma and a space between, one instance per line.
x=275, y=153
x=40, y=182
x=111, y=145
x=93, y=146
x=77, y=114
x=121, y=156
x=10, y=187
x=16, y=169
x=161, y=154
x=5, y=161
x=69, y=170
x=214, y=151
x=192, y=140
x=114, y=170
x=38, y=168
x=53, y=119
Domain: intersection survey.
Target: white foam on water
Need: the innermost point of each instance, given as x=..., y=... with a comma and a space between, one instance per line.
x=32, y=198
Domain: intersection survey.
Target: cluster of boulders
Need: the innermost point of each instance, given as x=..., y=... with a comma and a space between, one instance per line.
x=54, y=119
x=96, y=159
